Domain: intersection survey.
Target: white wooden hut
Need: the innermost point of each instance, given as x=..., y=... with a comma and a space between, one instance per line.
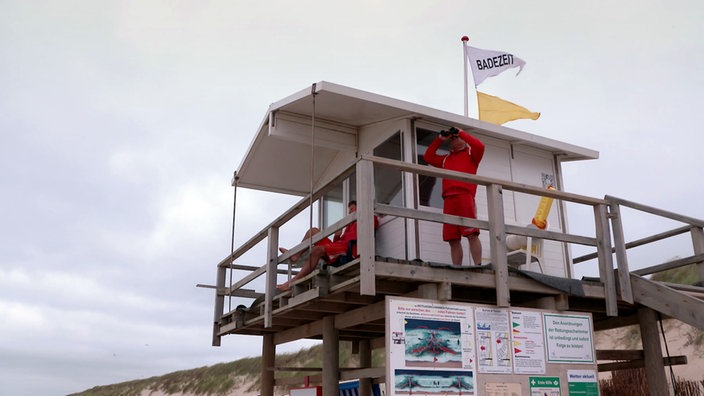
x=346, y=123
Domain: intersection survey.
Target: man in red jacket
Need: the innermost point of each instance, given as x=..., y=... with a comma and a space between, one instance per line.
x=465, y=154
x=330, y=251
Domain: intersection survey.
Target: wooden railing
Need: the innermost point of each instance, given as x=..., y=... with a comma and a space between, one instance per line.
x=496, y=224
x=606, y=216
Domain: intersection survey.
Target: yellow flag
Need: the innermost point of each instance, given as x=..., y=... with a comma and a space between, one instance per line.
x=498, y=111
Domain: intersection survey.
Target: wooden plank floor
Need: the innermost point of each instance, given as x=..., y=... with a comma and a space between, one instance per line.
x=335, y=291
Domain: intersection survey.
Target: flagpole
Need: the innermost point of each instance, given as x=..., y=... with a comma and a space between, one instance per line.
x=466, y=83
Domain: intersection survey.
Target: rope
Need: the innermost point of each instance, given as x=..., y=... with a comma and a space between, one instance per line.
x=312, y=171
x=667, y=351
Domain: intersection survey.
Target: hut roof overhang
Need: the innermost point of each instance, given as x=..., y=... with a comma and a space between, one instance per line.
x=278, y=158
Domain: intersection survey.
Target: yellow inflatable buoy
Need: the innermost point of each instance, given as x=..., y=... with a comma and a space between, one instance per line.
x=540, y=219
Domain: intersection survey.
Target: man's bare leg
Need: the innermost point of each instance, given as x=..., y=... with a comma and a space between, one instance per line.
x=293, y=258
x=475, y=249
x=316, y=254
x=456, y=251
x=307, y=235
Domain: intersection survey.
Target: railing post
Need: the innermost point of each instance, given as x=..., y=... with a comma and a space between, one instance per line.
x=219, y=303
x=365, y=361
x=365, y=227
x=698, y=246
x=268, y=364
x=497, y=241
x=271, y=270
x=331, y=357
x=652, y=351
x=606, y=266
x=624, y=279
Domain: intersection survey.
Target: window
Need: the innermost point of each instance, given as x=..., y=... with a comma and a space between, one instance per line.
x=333, y=202
x=429, y=188
x=388, y=182
x=332, y=206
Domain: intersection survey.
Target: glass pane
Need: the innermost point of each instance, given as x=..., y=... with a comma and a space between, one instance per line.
x=388, y=182
x=429, y=188
x=332, y=206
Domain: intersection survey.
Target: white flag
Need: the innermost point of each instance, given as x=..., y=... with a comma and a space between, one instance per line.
x=486, y=63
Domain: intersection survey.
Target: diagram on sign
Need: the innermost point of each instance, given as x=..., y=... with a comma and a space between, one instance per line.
x=493, y=340
x=444, y=382
x=433, y=343
x=528, y=346
x=431, y=348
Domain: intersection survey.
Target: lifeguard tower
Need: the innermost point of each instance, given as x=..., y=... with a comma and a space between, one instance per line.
x=329, y=144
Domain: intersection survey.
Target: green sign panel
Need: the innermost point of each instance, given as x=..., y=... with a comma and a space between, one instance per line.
x=582, y=383
x=544, y=386
x=584, y=389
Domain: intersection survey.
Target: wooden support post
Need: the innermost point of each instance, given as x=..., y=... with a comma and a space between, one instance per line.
x=497, y=241
x=652, y=352
x=331, y=357
x=547, y=303
x=624, y=280
x=365, y=361
x=268, y=363
x=445, y=291
x=365, y=227
x=428, y=291
x=698, y=245
x=435, y=291
x=562, y=302
x=271, y=266
x=219, y=303
x=606, y=266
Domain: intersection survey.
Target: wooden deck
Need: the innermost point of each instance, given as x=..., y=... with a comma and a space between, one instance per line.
x=334, y=291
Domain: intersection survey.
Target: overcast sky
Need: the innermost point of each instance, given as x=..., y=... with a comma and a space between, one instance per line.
x=122, y=122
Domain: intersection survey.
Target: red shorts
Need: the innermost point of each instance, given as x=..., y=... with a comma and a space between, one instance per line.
x=459, y=205
x=335, y=249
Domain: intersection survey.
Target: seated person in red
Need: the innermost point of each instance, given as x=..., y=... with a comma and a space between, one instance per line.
x=329, y=252
x=304, y=255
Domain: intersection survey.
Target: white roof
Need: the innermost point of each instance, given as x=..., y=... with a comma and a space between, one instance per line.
x=273, y=163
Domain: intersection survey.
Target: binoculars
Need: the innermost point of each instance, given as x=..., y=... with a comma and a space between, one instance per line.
x=451, y=131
